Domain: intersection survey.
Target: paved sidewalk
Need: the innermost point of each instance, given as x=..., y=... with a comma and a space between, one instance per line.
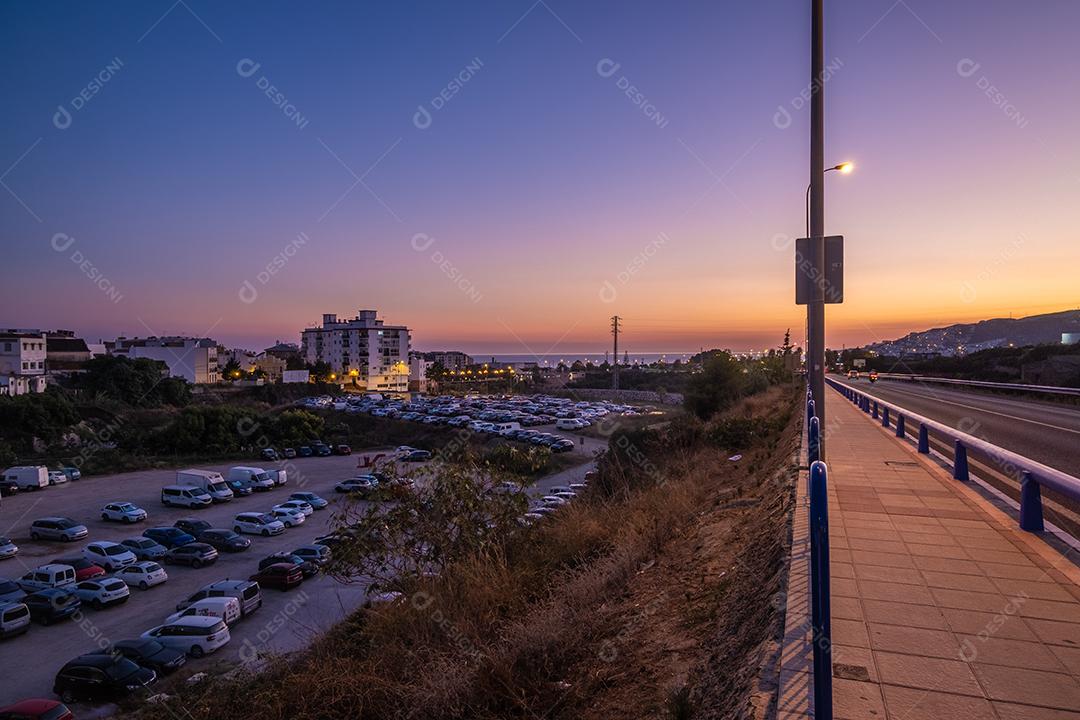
x=942, y=607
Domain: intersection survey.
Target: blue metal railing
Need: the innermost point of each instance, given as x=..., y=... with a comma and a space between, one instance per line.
x=1019, y=387
x=1033, y=475
x=820, y=602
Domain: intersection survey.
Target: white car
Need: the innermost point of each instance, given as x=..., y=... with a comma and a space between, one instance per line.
x=226, y=608
x=56, y=477
x=291, y=517
x=144, y=574
x=554, y=500
x=300, y=505
x=8, y=549
x=102, y=592
x=196, y=635
x=257, y=523
x=123, y=512
x=109, y=555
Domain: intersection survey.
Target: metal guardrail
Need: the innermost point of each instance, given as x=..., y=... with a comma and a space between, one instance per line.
x=820, y=599
x=1019, y=387
x=1033, y=475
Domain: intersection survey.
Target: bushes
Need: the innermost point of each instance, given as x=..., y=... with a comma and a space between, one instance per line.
x=720, y=383
x=518, y=461
x=138, y=382
x=46, y=415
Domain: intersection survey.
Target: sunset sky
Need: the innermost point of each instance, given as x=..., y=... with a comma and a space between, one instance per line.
x=534, y=198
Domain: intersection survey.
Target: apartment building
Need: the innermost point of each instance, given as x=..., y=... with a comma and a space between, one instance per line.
x=363, y=350
x=22, y=361
x=449, y=359
x=194, y=359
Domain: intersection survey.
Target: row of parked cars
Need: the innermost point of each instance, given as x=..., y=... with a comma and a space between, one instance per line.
x=200, y=624
x=35, y=477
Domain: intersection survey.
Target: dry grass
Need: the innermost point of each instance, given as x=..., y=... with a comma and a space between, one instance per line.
x=519, y=632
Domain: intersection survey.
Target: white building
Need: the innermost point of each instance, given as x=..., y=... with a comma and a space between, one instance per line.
x=22, y=361
x=418, y=366
x=194, y=359
x=362, y=350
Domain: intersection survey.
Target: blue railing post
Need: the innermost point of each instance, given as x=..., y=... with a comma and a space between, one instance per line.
x=1031, y=509
x=814, y=440
x=874, y=414
x=960, y=463
x=810, y=411
x=924, y=439
x=820, y=603
x=885, y=417
x=901, y=431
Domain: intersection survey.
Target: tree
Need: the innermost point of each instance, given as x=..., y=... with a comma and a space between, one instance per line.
x=140, y=382
x=295, y=362
x=231, y=371
x=716, y=387
x=321, y=371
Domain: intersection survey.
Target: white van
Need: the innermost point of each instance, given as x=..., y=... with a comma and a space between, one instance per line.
x=53, y=575
x=567, y=424
x=28, y=477
x=259, y=478
x=507, y=427
x=224, y=608
x=196, y=635
x=188, y=497
x=207, y=480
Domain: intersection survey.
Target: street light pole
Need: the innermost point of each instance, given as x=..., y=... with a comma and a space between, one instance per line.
x=815, y=309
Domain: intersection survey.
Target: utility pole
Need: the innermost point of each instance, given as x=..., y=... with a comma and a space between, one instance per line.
x=615, y=369
x=815, y=309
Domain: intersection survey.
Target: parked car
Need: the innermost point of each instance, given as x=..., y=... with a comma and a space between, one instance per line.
x=169, y=537
x=47, y=577
x=57, y=528
x=188, y=497
x=298, y=505
x=10, y=591
x=315, y=501
x=257, y=523
x=322, y=450
x=57, y=478
x=8, y=549
x=269, y=454
x=290, y=517
x=72, y=472
x=305, y=451
x=84, y=569
x=361, y=484
x=102, y=593
x=240, y=486
x=226, y=608
x=36, y=709
x=14, y=619
x=101, y=676
x=192, y=526
x=194, y=554
x=50, y=605
x=317, y=554
x=283, y=576
x=8, y=486
x=150, y=654
x=109, y=555
x=259, y=478
x=196, y=635
x=224, y=540
x=248, y=593
x=307, y=569
x=342, y=450
x=123, y=512
x=417, y=456
x=144, y=574
x=144, y=548
x=289, y=452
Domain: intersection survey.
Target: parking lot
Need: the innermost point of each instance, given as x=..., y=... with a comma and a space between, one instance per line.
x=287, y=620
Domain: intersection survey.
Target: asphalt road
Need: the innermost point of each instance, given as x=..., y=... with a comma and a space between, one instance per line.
x=287, y=620
x=1045, y=431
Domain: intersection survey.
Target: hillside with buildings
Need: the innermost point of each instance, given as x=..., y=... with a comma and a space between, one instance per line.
x=966, y=338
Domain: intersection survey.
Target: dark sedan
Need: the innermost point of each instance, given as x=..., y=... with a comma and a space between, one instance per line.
x=170, y=537
x=100, y=676
x=283, y=576
x=224, y=540
x=52, y=604
x=307, y=568
x=151, y=654
x=192, y=526
x=194, y=554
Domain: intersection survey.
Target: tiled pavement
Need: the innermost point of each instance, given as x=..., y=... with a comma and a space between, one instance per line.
x=941, y=606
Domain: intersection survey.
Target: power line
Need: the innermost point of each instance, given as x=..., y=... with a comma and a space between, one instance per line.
x=615, y=371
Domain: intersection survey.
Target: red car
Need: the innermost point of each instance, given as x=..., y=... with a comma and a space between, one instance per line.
x=36, y=710
x=84, y=569
x=342, y=450
x=283, y=576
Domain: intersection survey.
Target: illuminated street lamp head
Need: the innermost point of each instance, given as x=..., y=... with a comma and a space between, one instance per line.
x=844, y=167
